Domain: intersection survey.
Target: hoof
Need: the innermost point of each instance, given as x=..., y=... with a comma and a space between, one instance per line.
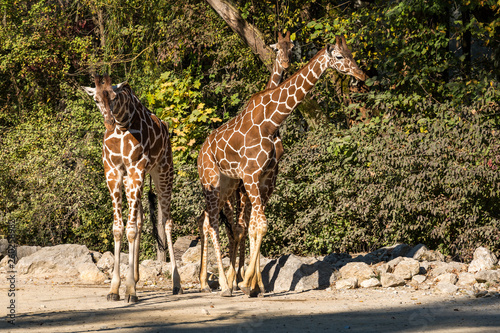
x=113, y=297
x=131, y=299
x=226, y=293
x=245, y=290
x=206, y=290
x=177, y=291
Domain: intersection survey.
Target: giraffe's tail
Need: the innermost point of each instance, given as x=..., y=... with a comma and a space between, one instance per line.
x=223, y=218
x=153, y=217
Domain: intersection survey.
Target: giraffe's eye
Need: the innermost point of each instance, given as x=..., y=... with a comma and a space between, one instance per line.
x=339, y=57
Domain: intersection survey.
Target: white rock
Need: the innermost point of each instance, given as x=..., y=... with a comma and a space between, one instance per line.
x=483, y=260
x=447, y=277
x=89, y=273
x=391, y=280
x=359, y=270
x=349, y=283
x=446, y=288
x=488, y=275
x=418, y=278
x=407, y=268
x=370, y=283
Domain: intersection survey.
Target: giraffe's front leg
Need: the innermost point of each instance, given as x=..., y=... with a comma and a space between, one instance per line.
x=134, y=185
x=257, y=230
x=203, y=227
x=114, y=181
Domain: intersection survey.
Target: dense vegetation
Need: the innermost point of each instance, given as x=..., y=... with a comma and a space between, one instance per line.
x=412, y=156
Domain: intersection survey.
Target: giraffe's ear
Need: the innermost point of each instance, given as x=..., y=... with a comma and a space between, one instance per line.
x=119, y=87
x=330, y=48
x=274, y=47
x=90, y=91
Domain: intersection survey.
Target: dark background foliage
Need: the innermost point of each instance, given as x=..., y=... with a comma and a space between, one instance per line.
x=411, y=157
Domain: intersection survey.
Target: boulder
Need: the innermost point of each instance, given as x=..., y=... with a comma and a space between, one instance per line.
x=447, y=277
x=391, y=280
x=60, y=260
x=150, y=270
x=418, y=279
x=349, y=283
x=488, y=275
x=193, y=255
x=25, y=250
x=466, y=279
x=407, y=268
x=370, y=283
x=190, y=273
x=437, y=268
x=183, y=243
x=483, y=260
x=89, y=273
x=446, y=287
x=422, y=253
x=4, y=245
x=359, y=270
x=393, y=263
x=292, y=272
x=106, y=262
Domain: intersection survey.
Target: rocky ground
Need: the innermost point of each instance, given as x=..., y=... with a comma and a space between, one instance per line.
x=394, y=289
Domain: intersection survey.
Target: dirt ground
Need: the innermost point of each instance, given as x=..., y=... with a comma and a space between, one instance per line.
x=55, y=306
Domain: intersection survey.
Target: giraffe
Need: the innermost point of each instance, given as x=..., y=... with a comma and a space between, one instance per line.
x=135, y=142
x=244, y=149
x=236, y=231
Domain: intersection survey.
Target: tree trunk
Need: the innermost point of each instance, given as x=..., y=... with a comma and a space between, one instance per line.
x=310, y=109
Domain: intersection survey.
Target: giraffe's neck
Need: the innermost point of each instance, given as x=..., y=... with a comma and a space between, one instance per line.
x=124, y=108
x=276, y=76
x=291, y=92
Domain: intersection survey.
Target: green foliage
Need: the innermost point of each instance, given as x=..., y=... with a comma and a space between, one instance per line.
x=414, y=159
x=408, y=179
x=179, y=103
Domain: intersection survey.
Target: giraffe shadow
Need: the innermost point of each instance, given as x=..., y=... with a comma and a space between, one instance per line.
x=290, y=273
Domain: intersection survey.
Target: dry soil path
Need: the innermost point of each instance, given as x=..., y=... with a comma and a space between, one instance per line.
x=47, y=306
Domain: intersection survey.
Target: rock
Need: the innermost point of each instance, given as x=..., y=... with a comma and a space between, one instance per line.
x=466, y=279
x=124, y=258
x=190, y=273
x=391, y=280
x=382, y=268
x=393, y=263
x=359, y=270
x=24, y=251
x=483, y=260
x=292, y=272
x=437, y=268
x=446, y=288
x=447, y=277
x=95, y=256
x=55, y=261
x=193, y=255
x=415, y=249
x=106, y=262
x=424, y=254
x=183, y=243
x=150, y=270
x=407, y=268
x=370, y=283
x=488, y=275
x=349, y=283
x=397, y=250
x=4, y=245
x=418, y=279
x=90, y=273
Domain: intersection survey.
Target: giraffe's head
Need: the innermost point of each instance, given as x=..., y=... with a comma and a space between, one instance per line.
x=104, y=95
x=283, y=49
x=340, y=58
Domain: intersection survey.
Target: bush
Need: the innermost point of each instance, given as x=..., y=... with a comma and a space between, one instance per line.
x=410, y=179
